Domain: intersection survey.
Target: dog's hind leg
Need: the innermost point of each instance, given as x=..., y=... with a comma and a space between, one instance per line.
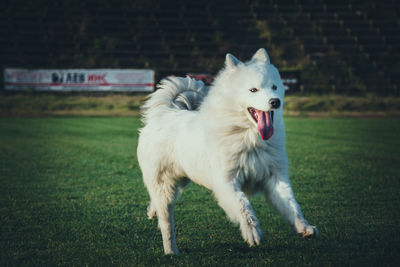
x=151, y=210
x=279, y=193
x=180, y=186
x=238, y=208
x=163, y=196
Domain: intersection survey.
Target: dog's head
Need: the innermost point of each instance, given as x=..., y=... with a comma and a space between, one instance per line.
x=257, y=88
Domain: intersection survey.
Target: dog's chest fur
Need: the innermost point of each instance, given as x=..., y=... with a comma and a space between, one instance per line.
x=255, y=166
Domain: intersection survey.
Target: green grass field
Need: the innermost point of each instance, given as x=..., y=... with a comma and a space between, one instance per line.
x=71, y=194
x=46, y=104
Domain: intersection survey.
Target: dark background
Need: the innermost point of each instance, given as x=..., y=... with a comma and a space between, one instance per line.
x=335, y=46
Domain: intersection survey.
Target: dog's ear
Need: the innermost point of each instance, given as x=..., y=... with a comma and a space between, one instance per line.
x=261, y=55
x=231, y=61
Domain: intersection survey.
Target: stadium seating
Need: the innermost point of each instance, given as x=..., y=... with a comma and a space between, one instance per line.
x=339, y=46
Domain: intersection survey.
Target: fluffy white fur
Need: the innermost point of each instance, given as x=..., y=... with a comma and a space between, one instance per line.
x=209, y=137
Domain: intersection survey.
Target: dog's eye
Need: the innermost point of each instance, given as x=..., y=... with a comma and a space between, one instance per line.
x=253, y=90
x=274, y=87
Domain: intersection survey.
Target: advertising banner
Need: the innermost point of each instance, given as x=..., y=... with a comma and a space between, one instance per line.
x=133, y=80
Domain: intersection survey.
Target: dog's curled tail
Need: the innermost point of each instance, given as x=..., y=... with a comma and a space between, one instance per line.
x=174, y=93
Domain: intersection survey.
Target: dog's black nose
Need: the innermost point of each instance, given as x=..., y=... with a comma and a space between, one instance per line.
x=275, y=102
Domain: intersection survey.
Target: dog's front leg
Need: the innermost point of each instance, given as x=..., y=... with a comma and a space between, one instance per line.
x=238, y=208
x=280, y=194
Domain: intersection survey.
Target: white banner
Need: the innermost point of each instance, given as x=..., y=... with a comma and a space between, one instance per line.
x=134, y=80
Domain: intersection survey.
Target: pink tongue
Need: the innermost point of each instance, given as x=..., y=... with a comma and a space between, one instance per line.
x=264, y=124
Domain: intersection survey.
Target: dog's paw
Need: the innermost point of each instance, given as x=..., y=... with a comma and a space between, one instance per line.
x=309, y=232
x=171, y=250
x=251, y=231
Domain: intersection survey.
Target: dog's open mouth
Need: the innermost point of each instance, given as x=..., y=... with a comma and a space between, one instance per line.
x=264, y=121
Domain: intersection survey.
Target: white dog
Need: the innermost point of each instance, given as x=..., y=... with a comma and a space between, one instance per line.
x=230, y=140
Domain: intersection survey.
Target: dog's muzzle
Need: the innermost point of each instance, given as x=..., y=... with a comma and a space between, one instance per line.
x=275, y=102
